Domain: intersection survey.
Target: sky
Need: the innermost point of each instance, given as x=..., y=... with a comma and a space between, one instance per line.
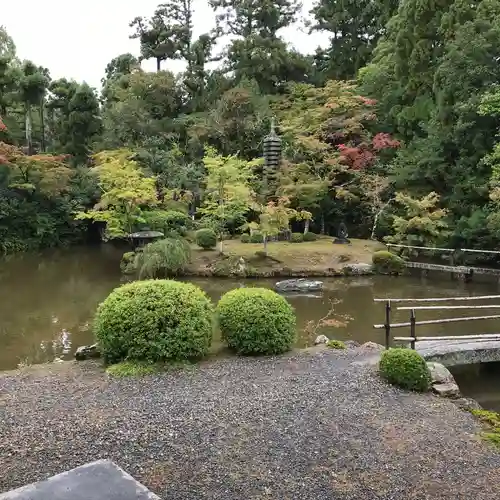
x=78, y=41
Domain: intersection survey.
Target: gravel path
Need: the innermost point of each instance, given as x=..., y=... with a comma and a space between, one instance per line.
x=308, y=426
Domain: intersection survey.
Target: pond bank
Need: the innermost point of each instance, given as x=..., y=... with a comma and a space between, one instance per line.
x=318, y=424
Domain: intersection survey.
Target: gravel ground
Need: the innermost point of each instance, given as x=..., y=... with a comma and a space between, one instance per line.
x=315, y=425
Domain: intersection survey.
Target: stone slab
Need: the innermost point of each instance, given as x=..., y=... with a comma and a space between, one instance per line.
x=460, y=352
x=100, y=480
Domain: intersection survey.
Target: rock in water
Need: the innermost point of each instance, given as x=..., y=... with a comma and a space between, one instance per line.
x=298, y=285
x=87, y=351
x=321, y=339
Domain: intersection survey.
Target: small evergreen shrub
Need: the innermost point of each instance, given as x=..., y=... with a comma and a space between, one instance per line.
x=245, y=238
x=162, y=258
x=405, y=368
x=256, y=321
x=256, y=237
x=335, y=344
x=154, y=320
x=297, y=238
x=385, y=262
x=206, y=238
x=310, y=236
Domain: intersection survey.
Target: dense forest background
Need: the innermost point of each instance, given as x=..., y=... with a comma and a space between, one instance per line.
x=392, y=129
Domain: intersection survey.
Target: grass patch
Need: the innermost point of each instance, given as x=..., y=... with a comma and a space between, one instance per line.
x=491, y=422
x=335, y=344
x=142, y=368
x=310, y=257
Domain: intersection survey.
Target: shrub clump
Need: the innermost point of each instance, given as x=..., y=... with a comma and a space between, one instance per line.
x=206, y=238
x=256, y=321
x=310, y=236
x=336, y=344
x=154, y=320
x=386, y=262
x=245, y=238
x=297, y=238
x=405, y=368
x=161, y=258
x=127, y=263
x=168, y=221
x=256, y=237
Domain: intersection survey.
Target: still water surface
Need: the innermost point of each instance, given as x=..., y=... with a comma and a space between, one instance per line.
x=47, y=302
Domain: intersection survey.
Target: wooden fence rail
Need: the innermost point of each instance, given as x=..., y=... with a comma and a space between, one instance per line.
x=413, y=323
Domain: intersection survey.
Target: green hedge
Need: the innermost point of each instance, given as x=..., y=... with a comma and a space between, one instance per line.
x=245, y=238
x=206, y=238
x=385, y=262
x=297, y=238
x=310, y=236
x=167, y=221
x=256, y=321
x=256, y=238
x=405, y=368
x=154, y=320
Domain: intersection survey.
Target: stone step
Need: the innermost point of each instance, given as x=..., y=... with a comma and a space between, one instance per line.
x=100, y=480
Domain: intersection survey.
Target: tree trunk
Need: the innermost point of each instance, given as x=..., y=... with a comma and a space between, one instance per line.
x=377, y=216
x=29, y=130
x=158, y=64
x=221, y=245
x=42, y=126
x=265, y=245
x=306, y=226
x=322, y=230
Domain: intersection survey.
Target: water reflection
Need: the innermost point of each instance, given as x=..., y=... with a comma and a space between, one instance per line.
x=47, y=302
x=480, y=382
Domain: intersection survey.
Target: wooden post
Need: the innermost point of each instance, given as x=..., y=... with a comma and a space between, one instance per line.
x=413, y=334
x=387, y=324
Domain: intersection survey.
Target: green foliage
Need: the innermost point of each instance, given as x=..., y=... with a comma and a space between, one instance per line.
x=167, y=221
x=256, y=321
x=245, y=238
x=405, y=368
x=256, y=237
x=491, y=421
x=124, y=193
x=422, y=223
x=206, y=238
x=297, y=238
x=163, y=258
x=336, y=344
x=131, y=369
x=309, y=236
x=154, y=320
x=385, y=262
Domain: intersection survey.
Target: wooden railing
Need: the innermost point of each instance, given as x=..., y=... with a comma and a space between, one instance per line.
x=413, y=323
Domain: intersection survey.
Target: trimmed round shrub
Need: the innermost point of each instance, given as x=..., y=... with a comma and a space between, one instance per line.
x=154, y=320
x=256, y=238
x=385, y=262
x=206, y=238
x=310, y=236
x=167, y=221
x=245, y=238
x=405, y=368
x=297, y=238
x=256, y=321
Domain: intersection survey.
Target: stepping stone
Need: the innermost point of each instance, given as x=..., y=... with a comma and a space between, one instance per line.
x=101, y=480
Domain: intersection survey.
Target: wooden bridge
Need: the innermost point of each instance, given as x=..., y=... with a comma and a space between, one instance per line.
x=450, y=349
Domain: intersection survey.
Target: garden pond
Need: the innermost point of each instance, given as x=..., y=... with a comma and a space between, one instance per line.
x=47, y=302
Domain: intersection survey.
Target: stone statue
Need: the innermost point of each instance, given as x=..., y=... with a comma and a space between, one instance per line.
x=342, y=235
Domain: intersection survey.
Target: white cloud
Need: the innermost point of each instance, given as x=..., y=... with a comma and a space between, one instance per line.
x=77, y=41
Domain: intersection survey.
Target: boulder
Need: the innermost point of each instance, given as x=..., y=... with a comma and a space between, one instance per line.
x=321, y=339
x=372, y=346
x=440, y=374
x=467, y=404
x=351, y=344
x=298, y=285
x=448, y=390
x=87, y=351
x=360, y=269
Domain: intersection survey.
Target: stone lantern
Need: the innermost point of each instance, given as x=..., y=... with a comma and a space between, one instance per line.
x=272, y=157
